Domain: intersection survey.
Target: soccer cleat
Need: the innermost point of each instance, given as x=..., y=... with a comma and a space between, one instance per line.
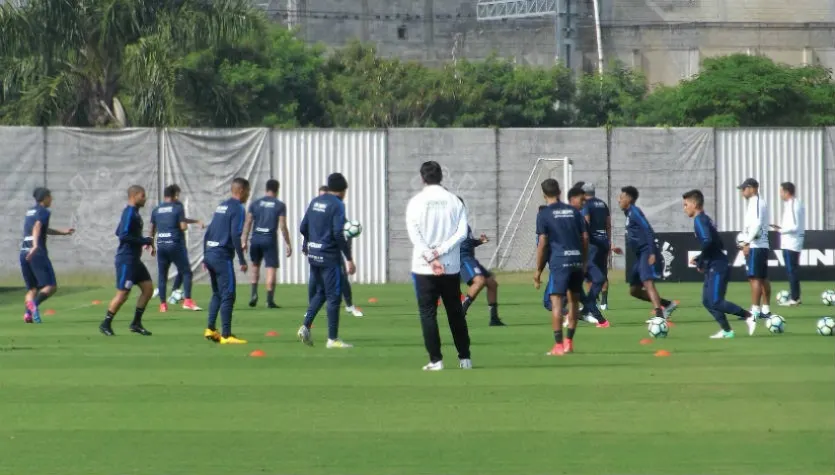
x=721, y=334
x=106, y=330
x=140, y=330
x=211, y=335
x=497, y=323
x=557, y=350
x=232, y=340
x=272, y=305
x=752, y=324
x=34, y=311
x=163, y=307
x=355, y=311
x=590, y=318
x=338, y=344
x=436, y=366
x=790, y=303
x=568, y=346
x=304, y=336
x=27, y=317
x=604, y=306
x=253, y=301
x=188, y=304
x=465, y=363
x=603, y=325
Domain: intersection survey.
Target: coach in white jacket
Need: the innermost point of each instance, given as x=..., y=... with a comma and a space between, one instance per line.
x=754, y=244
x=792, y=233
x=437, y=224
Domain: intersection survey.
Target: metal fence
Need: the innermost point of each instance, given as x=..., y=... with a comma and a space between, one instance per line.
x=89, y=171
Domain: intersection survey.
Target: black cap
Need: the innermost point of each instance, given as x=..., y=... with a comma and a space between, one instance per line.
x=41, y=194
x=337, y=183
x=749, y=182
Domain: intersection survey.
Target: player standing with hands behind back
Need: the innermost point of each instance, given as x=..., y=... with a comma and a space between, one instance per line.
x=792, y=233
x=754, y=244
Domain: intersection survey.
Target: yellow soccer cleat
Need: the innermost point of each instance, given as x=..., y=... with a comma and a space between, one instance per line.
x=232, y=340
x=211, y=335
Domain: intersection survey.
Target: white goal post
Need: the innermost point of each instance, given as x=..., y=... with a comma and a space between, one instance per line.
x=516, y=249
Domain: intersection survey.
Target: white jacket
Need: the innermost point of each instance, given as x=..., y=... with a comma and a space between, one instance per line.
x=793, y=225
x=436, y=220
x=755, y=231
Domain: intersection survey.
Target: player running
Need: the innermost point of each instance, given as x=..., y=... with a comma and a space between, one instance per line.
x=168, y=222
x=599, y=222
x=323, y=230
x=129, y=267
x=35, y=265
x=478, y=277
x=588, y=308
x=221, y=243
x=713, y=262
x=563, y=229
x=754, y=245
x=640, y=238
x=269, y=214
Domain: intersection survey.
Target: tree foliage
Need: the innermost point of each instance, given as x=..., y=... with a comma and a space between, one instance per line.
x=220, y=64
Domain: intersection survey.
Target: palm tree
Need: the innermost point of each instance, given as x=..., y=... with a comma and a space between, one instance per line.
x=67, y=61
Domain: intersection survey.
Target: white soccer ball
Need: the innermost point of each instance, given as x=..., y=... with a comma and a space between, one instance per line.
x=826, y=326
x=776, y=324
x=657, y=327
x=828, y=297
x=176, y=297
x=783, y=297
x=353, y=229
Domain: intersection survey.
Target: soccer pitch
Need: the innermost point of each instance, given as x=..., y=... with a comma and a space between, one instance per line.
x=75, y=402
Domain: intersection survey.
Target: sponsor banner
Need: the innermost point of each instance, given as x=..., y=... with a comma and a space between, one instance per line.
x=817, y=260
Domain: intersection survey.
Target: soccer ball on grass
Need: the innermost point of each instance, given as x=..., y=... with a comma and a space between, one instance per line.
x=776, y=324
x=176, y=297
x=826, y=326
x=353, y=229
x=783, y=297
x=657, y=327
x=828, y=297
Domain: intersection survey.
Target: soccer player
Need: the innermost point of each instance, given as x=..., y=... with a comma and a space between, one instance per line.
x=754, y=244
x=221, y=243
x=323, y=230
x=129, y=267
x=588, y=305
x=713, y=262
x=792, y=233
x=38, y=274
x=640, y=238
x=268, y=214
x=563, y=229
x=347, y=292
x=478, y=277
x=168, y=222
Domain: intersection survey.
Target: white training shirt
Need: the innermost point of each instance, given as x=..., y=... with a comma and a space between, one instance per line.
x=755, y=231
x=793, y=225
x=436, y=219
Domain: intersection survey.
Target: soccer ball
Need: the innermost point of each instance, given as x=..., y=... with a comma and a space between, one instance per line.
x=657, y=327
x=828, y=297
x=826, y=326
x=740, y=242
x=176, y=297
x=352, y=229
x=783, y=297
x=776, y=324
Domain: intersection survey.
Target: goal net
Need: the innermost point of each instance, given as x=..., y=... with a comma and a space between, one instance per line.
x=516, y=250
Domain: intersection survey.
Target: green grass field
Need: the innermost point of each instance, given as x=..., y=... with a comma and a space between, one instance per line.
x=75, y=402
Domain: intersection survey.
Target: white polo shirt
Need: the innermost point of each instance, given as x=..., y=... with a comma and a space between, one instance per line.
x=793, y=225
x=436, y=220
x=755, y=231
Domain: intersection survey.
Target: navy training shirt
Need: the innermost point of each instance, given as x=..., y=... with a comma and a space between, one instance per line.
x=713, y=251
x=639, y=234
x=35, y=214
x=598, y=214
x=564, y=225
x=265, y=213
x=323, y=230
x=469, y=244
x=223, y=236
x=167, y=218
x=130, y=236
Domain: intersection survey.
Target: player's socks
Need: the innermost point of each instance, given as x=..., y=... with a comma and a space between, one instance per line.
x=271, y=299
x=665, y=303
x=604, y=298
x=137, y=316
x=466, y=303
x=33, y=311
x=40, y=298
x=253, y=296
x=495, y=321
x=106, y=325
x=766, y=310
x=558, y=337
